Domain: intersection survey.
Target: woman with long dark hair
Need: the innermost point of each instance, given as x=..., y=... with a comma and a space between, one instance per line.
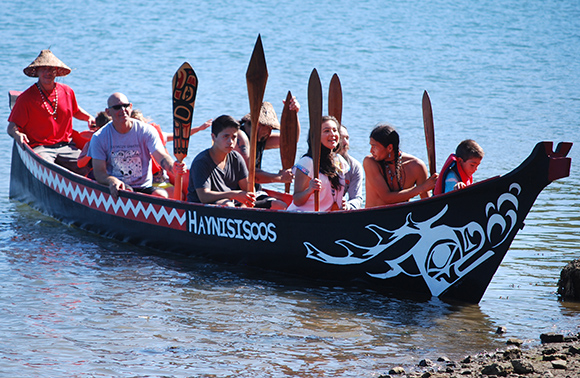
x=330, y=183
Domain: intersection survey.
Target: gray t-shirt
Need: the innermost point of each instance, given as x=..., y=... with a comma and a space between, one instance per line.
x=204, y=173
x=128, y=155
x=353, y=184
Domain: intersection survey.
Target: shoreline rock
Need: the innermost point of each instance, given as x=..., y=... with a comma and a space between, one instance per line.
x=569, y=283
x=557, y=356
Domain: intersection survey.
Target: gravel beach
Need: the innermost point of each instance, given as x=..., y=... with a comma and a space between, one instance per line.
x=556, y=356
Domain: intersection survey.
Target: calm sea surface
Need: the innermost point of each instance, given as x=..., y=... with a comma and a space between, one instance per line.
x=505, y=73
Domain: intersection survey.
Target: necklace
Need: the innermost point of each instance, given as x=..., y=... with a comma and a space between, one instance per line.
x=47, y=103
x=392, y=176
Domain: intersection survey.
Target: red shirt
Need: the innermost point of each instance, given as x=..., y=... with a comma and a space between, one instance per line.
x=33, y=119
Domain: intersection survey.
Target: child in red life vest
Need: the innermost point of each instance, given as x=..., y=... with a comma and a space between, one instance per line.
x=458, y=170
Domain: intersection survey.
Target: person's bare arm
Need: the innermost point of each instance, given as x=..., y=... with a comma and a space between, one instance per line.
x=377, y=190
x=169, y=136
x=14, y=131
x=102, y=177
x=419, y=171
x=83, y=115
x=168, y=164
x=304, y=187
x=209, y=196
x=283, y=176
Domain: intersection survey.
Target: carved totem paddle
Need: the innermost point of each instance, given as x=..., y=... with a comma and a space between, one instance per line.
x=184, y=92
x=429, y=132
x=288, y=136
x=256, y=78
x=335, y=98
x=315, y=114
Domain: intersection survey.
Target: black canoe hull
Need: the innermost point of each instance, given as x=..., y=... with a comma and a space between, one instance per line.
x=448, y=246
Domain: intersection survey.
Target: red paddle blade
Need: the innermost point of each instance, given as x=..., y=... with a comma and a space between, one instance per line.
x=184, y=92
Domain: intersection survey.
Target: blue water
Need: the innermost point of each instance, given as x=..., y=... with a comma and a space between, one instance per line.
x=505, y=73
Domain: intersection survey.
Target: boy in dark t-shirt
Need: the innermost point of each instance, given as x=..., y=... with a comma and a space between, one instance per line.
x=218, y=173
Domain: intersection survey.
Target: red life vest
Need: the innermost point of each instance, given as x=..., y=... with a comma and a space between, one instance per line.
x=440, y=184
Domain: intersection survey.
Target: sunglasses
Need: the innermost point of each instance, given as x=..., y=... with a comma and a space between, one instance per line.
x=118, y=107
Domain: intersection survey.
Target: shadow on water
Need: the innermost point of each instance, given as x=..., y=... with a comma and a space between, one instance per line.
x=46, y=236
x=115, y=299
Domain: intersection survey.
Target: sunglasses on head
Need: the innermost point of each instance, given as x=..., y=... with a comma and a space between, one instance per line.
x=118, y=107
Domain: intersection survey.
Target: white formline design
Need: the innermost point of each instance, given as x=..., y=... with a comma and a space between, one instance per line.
x=104, y=202
x=443, y=254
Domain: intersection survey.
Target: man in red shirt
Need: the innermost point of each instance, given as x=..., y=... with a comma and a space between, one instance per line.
x=42, y=115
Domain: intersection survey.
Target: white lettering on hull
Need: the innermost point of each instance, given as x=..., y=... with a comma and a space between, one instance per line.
x=231, y=228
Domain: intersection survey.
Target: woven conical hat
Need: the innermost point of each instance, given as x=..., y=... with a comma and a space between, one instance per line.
x=47, y=59
x=267, y=116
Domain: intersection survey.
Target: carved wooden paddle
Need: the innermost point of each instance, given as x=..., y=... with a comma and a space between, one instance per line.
x=315, y=115
x=335, y=98
x=429, y=132
x=256, y=78
x=288, y=136
x=184, y=92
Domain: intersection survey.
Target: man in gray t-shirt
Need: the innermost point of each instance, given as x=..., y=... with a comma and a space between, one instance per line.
x=122, y=149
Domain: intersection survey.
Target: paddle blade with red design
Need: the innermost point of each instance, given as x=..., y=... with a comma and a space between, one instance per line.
x=184, y=92
x=288, y=136
x=429, y=132
x=256, y=78
x=335, y=98
x=315, y=115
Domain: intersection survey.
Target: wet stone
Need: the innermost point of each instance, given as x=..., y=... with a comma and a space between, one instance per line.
x=551, y=338
x=501, y=330
x=559, y=364
x=522, y=367
x=495, y=369
x=549, y=351
x=466, y=360
x=554, y=357
x=512, y=354
x=514, y=341
x=569, y=283
x=426, y=362
x=397, y=370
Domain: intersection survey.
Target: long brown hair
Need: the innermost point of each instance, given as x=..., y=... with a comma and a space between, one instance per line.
x=327, y=158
